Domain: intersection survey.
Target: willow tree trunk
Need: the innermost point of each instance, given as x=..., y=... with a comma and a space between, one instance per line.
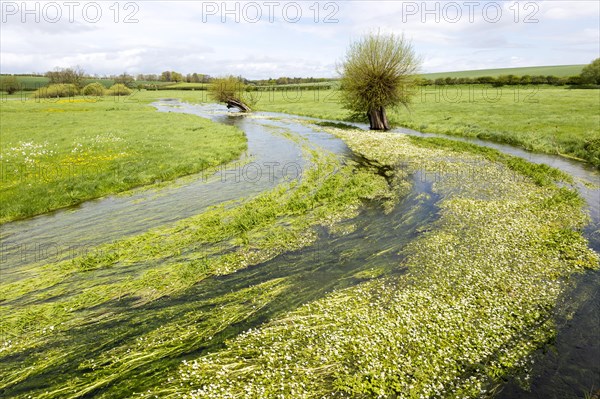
x=378, y=119
x=233, y=103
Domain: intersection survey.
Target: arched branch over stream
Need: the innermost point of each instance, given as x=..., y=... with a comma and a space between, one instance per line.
x=230, y=91
x=234, y=103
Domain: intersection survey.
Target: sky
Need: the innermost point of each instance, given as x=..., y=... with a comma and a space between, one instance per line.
x=264, y=39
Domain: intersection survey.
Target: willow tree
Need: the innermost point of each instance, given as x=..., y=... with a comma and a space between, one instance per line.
x=378, y=72
x=231, y=91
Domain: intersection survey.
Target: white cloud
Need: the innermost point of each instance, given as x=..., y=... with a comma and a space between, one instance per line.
x=568, y=10
x=177, y=35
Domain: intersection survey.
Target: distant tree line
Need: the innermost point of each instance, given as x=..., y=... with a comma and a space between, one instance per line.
x=76, y=76
x=291, y=88
x=288, y=81
x=590, y=76
x=505, y=80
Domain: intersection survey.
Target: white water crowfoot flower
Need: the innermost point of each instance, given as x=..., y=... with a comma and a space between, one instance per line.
x=475, y=304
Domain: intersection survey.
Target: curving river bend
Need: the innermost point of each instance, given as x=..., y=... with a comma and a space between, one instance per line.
x=563, y=370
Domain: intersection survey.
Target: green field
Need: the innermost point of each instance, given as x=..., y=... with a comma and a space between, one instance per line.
x=31, y=83
x=58, y=153
x=549, y=119
x=557, y=70
x=35, y=82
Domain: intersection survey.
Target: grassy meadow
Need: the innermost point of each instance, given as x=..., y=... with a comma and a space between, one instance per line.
x=58, y=153
x=549, y=119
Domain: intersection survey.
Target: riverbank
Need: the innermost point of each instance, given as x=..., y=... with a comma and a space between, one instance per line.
x=547, y=119
x=60, y=153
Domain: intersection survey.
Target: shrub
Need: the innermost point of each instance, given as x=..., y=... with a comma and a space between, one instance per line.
x=552, y=80
x=94, y=89
x=538, y=80
x=450, y=81
x=119, y=89
x=525, y=79
x=562, y=81
x=485, y=80
x=56, y=90
x=591, y=73
x=9, y=84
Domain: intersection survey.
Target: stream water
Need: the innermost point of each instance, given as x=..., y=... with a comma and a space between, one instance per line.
x=566, y=369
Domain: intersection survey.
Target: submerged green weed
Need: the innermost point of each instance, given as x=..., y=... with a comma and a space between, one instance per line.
x=476, y=303
x=165, y=262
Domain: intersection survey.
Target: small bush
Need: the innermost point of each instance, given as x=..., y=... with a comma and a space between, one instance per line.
x=119, y=89
x=56, y=90
x=10, y=84
x=93, y=89
x=591, y=73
